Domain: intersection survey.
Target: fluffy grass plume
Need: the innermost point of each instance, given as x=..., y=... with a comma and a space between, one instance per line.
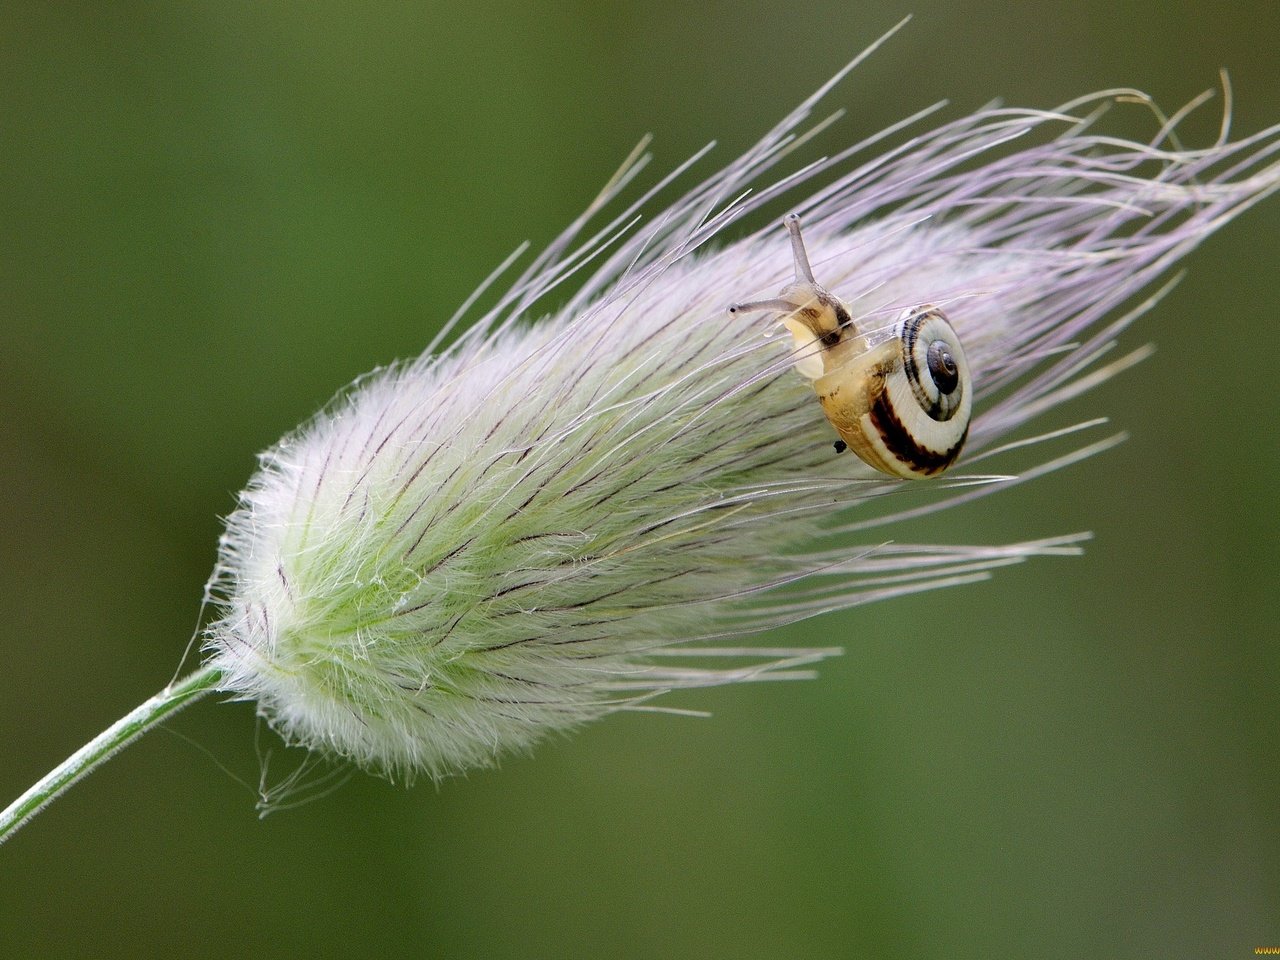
x=582, y=502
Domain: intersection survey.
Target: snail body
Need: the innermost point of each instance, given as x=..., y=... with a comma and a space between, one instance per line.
x=903, y=405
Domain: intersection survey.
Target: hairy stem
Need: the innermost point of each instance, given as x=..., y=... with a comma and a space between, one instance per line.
x=102, y=747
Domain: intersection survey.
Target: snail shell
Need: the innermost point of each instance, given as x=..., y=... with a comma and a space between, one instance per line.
x=903, y=405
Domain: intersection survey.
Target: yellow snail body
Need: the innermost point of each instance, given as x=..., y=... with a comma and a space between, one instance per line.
x=903, y=405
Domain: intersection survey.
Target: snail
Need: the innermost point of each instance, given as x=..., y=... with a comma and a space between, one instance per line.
x=902, y=405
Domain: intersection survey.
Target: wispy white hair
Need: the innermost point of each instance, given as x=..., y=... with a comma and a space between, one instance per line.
x=556, y=517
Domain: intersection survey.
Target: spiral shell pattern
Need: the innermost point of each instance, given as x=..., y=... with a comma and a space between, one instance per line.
x=919, y=403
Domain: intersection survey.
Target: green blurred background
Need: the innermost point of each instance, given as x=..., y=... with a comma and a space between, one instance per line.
x=213, y=214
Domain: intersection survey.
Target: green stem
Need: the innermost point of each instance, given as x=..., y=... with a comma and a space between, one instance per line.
x=102, y=747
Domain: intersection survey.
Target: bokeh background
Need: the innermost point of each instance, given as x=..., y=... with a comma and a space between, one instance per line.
x=213, y=214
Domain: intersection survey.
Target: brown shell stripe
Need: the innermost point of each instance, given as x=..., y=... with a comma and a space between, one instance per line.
x=899, y=441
